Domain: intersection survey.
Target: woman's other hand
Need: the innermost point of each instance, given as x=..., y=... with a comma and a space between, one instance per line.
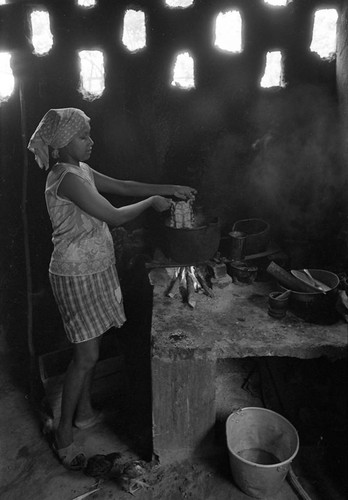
x=160, y=204
x=184, y=192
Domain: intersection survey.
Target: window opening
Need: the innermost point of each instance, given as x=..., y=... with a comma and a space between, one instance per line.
x=3, y=2
x=324, y=32
x=228, y=31
x=280, y=3
x=273, y=71
x=179, y=3
x=183, y=73
x=92, y=80
x=86, y=3
x=41, y=36
x=134, y=30
x=6, y=76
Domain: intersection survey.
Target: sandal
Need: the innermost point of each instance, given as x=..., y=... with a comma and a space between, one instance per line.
x=70, y=457
x=90, y=422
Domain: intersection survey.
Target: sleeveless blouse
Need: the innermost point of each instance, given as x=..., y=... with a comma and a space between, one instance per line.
x=82, y=244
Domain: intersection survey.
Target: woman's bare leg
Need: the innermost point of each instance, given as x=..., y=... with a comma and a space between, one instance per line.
x=84, y=409
x=79, y=373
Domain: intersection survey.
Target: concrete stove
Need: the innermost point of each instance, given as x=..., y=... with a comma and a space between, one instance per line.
x=187, y=343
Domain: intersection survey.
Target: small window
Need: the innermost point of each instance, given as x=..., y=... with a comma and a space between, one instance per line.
x=86, y=3
x=273, y=71
x=134, y=31
x=3, y=2
x=92, y=80
x=41, y=38
x=6, y=76
x=324, y=32
x=279, y=3
x=179, y=3
x=228, y=31
x=183, y=73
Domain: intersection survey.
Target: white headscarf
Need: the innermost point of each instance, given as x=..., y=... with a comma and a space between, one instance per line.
x=56, y=129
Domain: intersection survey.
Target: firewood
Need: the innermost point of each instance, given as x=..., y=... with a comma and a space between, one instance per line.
x=174, y=286
x=190, y=289
x=203, y=283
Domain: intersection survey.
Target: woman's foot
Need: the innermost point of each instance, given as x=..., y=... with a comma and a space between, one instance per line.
x=66, y=451
x=71, y=457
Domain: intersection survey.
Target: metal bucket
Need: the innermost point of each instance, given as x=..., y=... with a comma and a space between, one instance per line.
x=257, y=235
x=261, y=445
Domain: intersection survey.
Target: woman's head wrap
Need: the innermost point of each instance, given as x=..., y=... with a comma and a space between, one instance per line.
x=56, y=129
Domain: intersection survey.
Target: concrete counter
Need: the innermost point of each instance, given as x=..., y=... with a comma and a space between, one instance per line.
x=186, y=343
x=235, y=323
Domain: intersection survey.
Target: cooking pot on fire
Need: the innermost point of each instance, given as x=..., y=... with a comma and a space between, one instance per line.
x=189, y=235
x=192, y=245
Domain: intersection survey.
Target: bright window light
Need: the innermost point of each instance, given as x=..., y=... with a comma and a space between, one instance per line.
x=228, y=31
x=3, y=2
x=280, y=3
x=42, y=38
x=92, y=79
x=183, y=74
x=134, y=31
x=179, y=3
x=6, y=76
x=86, y=3
x=324, y=32
x=273, y=71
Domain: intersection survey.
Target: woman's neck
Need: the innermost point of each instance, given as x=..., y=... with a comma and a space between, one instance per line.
x=68, y=163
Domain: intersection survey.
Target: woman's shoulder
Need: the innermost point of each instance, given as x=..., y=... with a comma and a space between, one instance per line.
x=61, y=169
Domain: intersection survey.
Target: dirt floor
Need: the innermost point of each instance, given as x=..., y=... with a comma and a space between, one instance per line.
x=29, y=469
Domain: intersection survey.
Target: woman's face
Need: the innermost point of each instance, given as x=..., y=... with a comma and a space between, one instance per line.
x=79, y=148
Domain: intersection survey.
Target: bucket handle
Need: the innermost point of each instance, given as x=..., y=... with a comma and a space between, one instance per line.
x=283, y=468
x=296, y=485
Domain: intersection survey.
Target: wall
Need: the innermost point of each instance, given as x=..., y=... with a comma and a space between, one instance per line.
x=342, y=85
x=342, y=78
x=251, y=152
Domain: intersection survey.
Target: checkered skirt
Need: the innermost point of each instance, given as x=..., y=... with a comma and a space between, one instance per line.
x=89, y=305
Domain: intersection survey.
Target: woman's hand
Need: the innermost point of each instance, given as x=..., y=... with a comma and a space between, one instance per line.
x=160, y=204
x=184, y=192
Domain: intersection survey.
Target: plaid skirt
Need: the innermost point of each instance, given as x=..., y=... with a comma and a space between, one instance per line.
x=89, y=305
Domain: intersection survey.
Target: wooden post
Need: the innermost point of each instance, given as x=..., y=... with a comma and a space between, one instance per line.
x=183, y=404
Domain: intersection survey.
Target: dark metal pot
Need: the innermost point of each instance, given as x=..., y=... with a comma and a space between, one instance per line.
x=317, y=307
x=192, y=245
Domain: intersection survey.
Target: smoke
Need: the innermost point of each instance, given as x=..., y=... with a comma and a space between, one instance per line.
x=296, y=172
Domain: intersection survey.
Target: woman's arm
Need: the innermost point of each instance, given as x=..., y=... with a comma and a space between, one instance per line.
x=89, y=200
x=107, y=184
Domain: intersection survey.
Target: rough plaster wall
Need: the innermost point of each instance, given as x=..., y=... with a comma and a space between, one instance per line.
x=250, y=152
x=342, y=78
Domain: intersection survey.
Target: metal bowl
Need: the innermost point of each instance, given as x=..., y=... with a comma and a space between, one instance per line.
x=327, y=277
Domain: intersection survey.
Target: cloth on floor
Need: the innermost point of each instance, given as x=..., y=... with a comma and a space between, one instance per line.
x=131, y=475
x=99, y=466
